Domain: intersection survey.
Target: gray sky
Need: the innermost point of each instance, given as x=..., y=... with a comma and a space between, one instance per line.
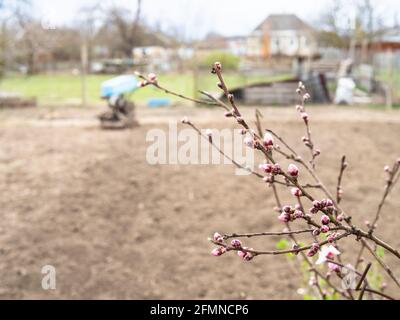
x=197, y=17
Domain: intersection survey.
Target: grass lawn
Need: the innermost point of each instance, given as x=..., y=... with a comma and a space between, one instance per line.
x=66, y=88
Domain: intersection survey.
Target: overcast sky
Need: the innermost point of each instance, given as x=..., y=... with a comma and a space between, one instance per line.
x=198, y=17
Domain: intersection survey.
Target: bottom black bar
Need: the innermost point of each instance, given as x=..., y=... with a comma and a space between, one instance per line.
x=185, y=309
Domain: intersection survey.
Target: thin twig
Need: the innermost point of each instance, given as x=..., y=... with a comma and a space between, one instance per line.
x=275, y=252
x=381, y=262
x=388, y=188
x=223, y=153
x=343, y=166
x=167, y=91
x=362, y=291
x=257, y=234
x=363, y=276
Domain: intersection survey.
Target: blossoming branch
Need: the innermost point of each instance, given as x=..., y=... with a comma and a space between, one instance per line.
x=325, y=221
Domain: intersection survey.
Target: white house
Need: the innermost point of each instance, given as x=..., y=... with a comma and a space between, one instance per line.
x=282, y=35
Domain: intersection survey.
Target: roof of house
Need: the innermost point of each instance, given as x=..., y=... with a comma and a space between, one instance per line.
x=391, y=35
x=213, y=41
x=279, y=22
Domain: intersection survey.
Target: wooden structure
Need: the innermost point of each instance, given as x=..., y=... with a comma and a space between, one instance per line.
x=282, y=92
x=15, y=101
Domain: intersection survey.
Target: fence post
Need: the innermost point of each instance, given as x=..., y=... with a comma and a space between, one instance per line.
x=389, y=88
x=84, y=66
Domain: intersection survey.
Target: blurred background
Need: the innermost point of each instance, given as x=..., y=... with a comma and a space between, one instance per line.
x=76, y=46
x=86, y=201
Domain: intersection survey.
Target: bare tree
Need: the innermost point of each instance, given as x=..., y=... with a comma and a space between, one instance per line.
x=88, y=23
x=129, y=29
x=335, y=31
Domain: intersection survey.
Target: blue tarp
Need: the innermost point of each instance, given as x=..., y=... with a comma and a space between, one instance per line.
x=158, y=102
x=118, y=85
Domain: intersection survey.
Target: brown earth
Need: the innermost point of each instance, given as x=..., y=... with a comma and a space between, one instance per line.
x=87, y=202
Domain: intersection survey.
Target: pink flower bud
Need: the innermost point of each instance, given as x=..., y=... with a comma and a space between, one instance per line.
x=317, y=152
x=312, y=281
x=296, y=192
x=316, y=232
x=185, y=120
x=317, y=204
x=266, y=167
x=340, y=217
x=306, y=96
x=218, y=251
x=334, y=267
x=300, y=108
x=217, y=237
x=332, y=236
x=310, y=253
x=209, y=133
x=236, y=243
x=293, y=170
x=386, y=168
x=325, y=219
x=243, y=131
x=329, y=203
x=276, y=169
x=218, y=65
x=268, y=140
x=268, y=179
x=313, y=210
x=152, y=77
x=304, y=116
x=324, y=229
x=142, y=83
x=247, y=256
x=298, y=214
x=287, y=209
x=248, y=142
x=315, y=246
x=284, y=217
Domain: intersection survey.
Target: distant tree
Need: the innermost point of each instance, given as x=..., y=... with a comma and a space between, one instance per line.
x=3, y=37
x=340, y=27
x=29, y=36
x=335, y=31
x=130, y=33
x=90, y=19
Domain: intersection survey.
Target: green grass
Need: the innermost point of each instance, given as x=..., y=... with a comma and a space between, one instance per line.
x=61, y=88
x=383, y=106
x=65, y=89
x=383, y=75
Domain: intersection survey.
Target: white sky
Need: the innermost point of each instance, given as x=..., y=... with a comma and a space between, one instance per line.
x=197, y=17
